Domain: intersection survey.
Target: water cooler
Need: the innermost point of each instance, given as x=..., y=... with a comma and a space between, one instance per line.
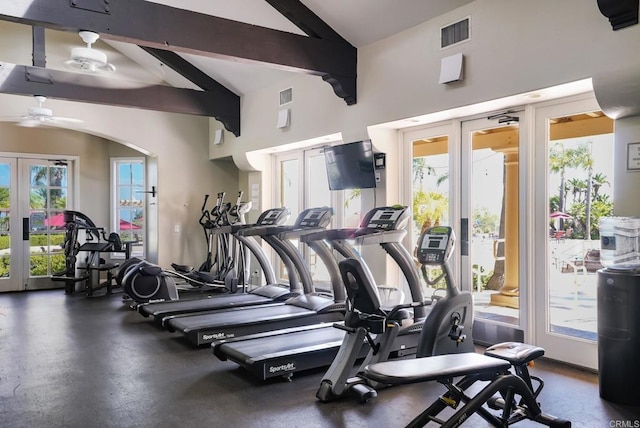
x=619, y=310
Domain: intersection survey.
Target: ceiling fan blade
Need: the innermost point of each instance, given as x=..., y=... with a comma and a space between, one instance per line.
x=29, y=123
x=66, y=119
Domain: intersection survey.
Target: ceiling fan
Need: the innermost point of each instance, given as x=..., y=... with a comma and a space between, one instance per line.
x=37, y=116
x=87, y=58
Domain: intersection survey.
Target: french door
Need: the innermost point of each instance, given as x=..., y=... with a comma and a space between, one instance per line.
x=33, y=195
x=10, y=239
x=466, y=174
x=574, y=188
x=490, y=223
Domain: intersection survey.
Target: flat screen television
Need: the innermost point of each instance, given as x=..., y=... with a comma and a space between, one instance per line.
x=350, y=166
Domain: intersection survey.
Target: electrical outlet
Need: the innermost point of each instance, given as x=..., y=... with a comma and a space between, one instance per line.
x=176, y=228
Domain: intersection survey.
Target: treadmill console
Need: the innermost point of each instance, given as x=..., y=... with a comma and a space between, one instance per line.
x=315, y=217
x=387, y=218
x=273, y=217
x=435, y=245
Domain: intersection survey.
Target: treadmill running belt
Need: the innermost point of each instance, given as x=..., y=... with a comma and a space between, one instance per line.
x=184, y=306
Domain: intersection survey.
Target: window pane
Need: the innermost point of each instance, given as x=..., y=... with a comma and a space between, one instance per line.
x=430, y=177
x=318, y=186
x=290, y=189
x=137, y=193
x=580, y=188
x=4, y=197
x=137, y=174
x=352, y=207
x=37, y=221
x=5, y=175
x=124, y=173
x=125, y=215
x=130, y=207
x=39, y=175
x=4, y=220
x=124, y=195
x=58, y=176
x=58, y=199
x=38, y=266
x=38, y=198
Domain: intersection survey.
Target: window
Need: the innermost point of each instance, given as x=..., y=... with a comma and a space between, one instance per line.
x=128, y=205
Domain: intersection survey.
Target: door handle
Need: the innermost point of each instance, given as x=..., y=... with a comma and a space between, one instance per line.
x=464, y=236
x=25, y=228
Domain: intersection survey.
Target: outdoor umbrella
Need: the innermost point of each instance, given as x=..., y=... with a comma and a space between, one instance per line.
x=559, y=214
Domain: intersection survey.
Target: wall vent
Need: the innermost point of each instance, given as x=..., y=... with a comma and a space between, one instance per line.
x=286, y=96
x=455, y=33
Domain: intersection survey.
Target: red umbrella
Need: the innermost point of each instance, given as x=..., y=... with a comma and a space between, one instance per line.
x=55, y=221
x=125, y=225
x=58, y=221
x=559, y=214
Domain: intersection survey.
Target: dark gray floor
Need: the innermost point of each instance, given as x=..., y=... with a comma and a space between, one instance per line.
x=78, y=362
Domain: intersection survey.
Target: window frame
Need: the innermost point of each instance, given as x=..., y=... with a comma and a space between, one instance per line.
x=114, y=205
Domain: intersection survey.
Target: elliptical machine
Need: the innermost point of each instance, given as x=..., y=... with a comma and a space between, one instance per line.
x=366, y=322
x=230, y=267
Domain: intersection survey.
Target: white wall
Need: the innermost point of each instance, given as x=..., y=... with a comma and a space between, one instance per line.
x=515, y=47
x=627, y=183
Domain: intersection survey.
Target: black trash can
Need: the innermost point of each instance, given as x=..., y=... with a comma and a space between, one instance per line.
x=619, y=336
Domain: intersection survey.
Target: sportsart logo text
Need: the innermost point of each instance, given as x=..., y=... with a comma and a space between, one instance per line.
x=282, y=368
x=215, y=336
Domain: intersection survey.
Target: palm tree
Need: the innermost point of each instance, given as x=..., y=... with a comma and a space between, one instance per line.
x=577, y=187
x=429, y=208
x=420, y=167
x=584, y=159
x=597, y=181
x=561, y=159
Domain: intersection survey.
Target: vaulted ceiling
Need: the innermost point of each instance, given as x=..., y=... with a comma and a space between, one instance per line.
x=200, y=56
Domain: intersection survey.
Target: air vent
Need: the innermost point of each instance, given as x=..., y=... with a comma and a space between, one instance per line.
x=454, y=33
x=286, y=96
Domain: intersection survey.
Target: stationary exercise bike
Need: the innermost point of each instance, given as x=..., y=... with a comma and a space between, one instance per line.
x=446, y=330
x=508, y=386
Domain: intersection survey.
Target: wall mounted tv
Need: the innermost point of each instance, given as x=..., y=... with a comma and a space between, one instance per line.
x=350, y=166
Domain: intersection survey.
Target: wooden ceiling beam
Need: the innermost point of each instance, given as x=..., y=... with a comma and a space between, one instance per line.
x=162, y=27
x=227, y=109
x=313, y=26
x=27, y=80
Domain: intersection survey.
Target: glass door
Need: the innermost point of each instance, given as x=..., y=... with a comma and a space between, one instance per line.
x=10, y=240
x=45, y=192
x=289, y=194
x=317, y=194
x=430, y=189
x=576, y=153
x=488, y=237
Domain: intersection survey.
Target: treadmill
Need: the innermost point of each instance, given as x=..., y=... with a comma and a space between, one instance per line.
x=283, y=352
x=306, y=309
x=265, y=294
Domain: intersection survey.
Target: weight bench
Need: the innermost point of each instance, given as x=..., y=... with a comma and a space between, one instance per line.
x=493, y=367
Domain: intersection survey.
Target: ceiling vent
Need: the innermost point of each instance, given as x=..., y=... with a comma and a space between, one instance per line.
x=286, y=96
x=455, y=33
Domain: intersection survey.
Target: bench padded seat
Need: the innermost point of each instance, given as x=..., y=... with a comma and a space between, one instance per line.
x=434, y=368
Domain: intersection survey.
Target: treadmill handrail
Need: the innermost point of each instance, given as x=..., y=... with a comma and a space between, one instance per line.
x=298, y=232
x=360, y=234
